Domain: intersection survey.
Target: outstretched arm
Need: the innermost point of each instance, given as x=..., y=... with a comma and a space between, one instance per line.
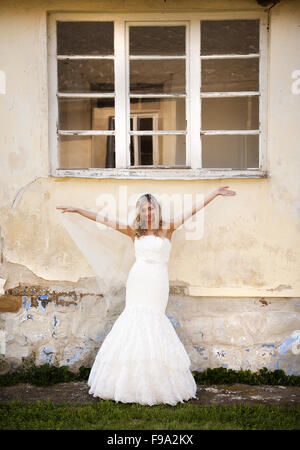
x=220, y=191
x=116, y=224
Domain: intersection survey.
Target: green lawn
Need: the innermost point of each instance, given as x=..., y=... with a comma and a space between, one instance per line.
x=108, y=415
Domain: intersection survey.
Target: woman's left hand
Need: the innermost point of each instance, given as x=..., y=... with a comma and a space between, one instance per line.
x=224, y=191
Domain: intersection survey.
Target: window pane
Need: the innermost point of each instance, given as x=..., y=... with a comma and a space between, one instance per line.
x=222, y=37
x=82, y=152
x=164, y=113
x=86, y=114
x=85, y=38
x=157, y=40
x=235, y=152
x=152, y=76
x=86, y=76
x=233, y=75
x=168, y=150
x=230, y=113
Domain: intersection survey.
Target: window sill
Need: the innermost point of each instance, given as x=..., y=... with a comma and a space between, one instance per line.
x=162, y=174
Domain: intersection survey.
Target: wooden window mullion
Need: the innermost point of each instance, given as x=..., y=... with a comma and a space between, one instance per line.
x=121, y=138
x=194, y=95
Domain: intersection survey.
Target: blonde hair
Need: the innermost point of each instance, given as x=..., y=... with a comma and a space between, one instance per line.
x=138, y=224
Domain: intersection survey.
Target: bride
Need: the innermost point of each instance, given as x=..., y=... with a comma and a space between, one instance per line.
x=142, y=359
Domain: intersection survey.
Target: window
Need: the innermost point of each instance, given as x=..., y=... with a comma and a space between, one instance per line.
x=86, y=91
x=138, y=96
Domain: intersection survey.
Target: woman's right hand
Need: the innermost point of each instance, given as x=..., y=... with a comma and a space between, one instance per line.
x=67, y=209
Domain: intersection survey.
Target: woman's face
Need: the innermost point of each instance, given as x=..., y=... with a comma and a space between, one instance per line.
x=148, y=212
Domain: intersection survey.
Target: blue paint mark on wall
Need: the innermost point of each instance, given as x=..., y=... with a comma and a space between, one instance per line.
x=76, y=356
x=247, y=350
x=47, y=351
x=268, y=345
x=26, y=304
x=100, y=336
x=56, y=322
x=174, y=322
x=47, y=355
x=285, y=345
x=41, y=306
x=199, y=349
x=44, y=297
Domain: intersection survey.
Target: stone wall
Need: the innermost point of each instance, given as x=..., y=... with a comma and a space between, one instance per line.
x=67, y=327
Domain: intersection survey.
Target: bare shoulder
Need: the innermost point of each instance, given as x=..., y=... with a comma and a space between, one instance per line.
x=129, y=231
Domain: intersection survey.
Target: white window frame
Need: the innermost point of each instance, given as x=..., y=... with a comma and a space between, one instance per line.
x=193, y=102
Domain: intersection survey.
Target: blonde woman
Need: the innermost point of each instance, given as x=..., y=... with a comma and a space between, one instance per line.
x=142, y=359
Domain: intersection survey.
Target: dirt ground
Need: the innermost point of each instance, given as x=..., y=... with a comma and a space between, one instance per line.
x=206, y=395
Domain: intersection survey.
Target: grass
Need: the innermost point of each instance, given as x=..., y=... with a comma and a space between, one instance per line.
x=109, y=415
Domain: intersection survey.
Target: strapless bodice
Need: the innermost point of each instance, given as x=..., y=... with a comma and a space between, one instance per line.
x=152, y=249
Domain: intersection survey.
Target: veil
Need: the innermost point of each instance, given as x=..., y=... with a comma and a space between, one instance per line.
x=111, y=253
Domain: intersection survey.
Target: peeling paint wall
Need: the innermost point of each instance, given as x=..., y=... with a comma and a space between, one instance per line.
x=242, y=333
x=235, y=294
x=239, y=333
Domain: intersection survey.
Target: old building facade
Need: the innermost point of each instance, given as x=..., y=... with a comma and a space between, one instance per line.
x=162, y=96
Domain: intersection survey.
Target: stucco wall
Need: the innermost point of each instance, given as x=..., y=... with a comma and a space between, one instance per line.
x=235, y=293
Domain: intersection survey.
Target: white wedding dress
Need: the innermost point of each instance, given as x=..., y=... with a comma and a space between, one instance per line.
x=142, y=360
